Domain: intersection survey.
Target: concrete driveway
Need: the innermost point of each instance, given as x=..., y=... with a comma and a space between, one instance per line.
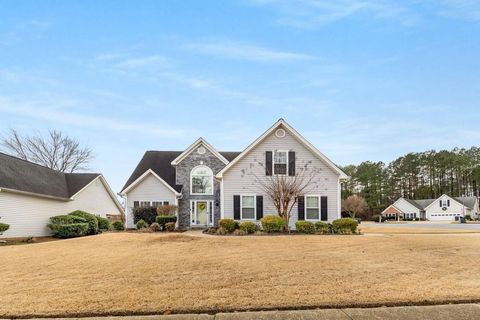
x=420, y=227
x=424, y=225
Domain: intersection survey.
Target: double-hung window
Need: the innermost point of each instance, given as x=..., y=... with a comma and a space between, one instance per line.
x=144, y=204
x=312, y=208
x=155, y=203
x=248, y=208
x=280, y=162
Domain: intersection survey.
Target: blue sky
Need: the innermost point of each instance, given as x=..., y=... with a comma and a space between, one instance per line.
x=361, y=79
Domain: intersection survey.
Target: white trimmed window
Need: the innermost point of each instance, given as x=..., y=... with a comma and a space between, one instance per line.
x=312, y=208
x=144, y=204
x=280, y=162
x=155, y=203
x=247, y=208
x=445, y=203
x=201, y=180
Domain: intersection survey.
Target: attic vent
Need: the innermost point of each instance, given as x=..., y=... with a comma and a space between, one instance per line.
x=201, y=150
x=280, y=133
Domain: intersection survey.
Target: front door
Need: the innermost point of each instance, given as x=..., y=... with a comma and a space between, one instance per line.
x=202, y=216
x=201, y=213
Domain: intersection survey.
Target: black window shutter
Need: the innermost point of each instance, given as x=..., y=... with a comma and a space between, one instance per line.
x=291, y=163
x=440, y=203
x=448, y=203
x=236, y=207
x=301, y=208
x=268, y=163
x=259, y=207
x=324, y=208
x=135, y=204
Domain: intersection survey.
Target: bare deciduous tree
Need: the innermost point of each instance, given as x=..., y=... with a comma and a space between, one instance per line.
x=56, y=150
x=284, y=190
x=354, y=205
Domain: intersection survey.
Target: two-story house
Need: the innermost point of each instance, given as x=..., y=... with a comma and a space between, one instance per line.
x=207, y=185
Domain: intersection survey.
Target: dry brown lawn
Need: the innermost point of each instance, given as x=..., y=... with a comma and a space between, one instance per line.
x=139, y=273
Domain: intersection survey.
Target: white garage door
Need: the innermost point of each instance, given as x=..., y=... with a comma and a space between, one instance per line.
x=443, y=216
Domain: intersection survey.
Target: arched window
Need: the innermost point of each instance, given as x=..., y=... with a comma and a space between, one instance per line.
x=201, y=180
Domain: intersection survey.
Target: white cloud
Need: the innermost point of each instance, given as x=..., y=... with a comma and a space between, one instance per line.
x=55, y=112
x=461, y=9
x=244, y=51
x=314, y=13
x=143, y=62
x=31, y=28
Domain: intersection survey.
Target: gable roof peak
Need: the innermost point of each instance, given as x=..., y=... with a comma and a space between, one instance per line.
x=207, y=145
x=298, y=136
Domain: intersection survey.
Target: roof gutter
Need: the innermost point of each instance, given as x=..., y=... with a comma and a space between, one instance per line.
x=26, y=193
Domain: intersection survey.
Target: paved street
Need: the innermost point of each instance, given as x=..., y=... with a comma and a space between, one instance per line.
x=440, y=312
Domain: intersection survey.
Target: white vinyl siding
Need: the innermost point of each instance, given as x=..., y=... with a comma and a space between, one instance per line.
x=235, y=182
x=435, y=212
x=407, y=208
x=28, y=216
x=149, y=189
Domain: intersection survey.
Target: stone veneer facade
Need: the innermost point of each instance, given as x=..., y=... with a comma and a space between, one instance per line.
x=183, y=170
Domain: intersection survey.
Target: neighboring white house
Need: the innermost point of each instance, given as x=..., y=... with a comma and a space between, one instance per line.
x=30, y=194
x=208, y=185
x=444, y=208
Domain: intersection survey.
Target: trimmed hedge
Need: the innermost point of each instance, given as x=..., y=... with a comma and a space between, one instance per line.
x=163, y=220
x=141, y=224
x=321, y=227
x=103, y=223
x=118, y=225
x=68, y=226
x=147, y=214
x=240, y=232
x=155, y=227
x=4, y=227
x=272, y=223
x=90, y=218
x=305, y=227
x=248, y=226
x=228, y=224
x=170, y=226
x=66, y=219
x=222, y=231
x=72, y=230
x=345, y=225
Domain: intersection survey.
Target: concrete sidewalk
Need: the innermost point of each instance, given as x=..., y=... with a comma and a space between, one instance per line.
x=441, y=312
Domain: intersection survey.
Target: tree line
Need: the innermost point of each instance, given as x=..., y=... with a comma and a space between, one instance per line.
x=420, y=175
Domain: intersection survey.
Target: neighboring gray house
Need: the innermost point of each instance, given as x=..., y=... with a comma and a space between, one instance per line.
x=208, y=185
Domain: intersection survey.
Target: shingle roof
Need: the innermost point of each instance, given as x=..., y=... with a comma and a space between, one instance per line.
x=422, y=204
x=22, y=175
x=415, y=203
x=467, y=201
x=160, y=163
